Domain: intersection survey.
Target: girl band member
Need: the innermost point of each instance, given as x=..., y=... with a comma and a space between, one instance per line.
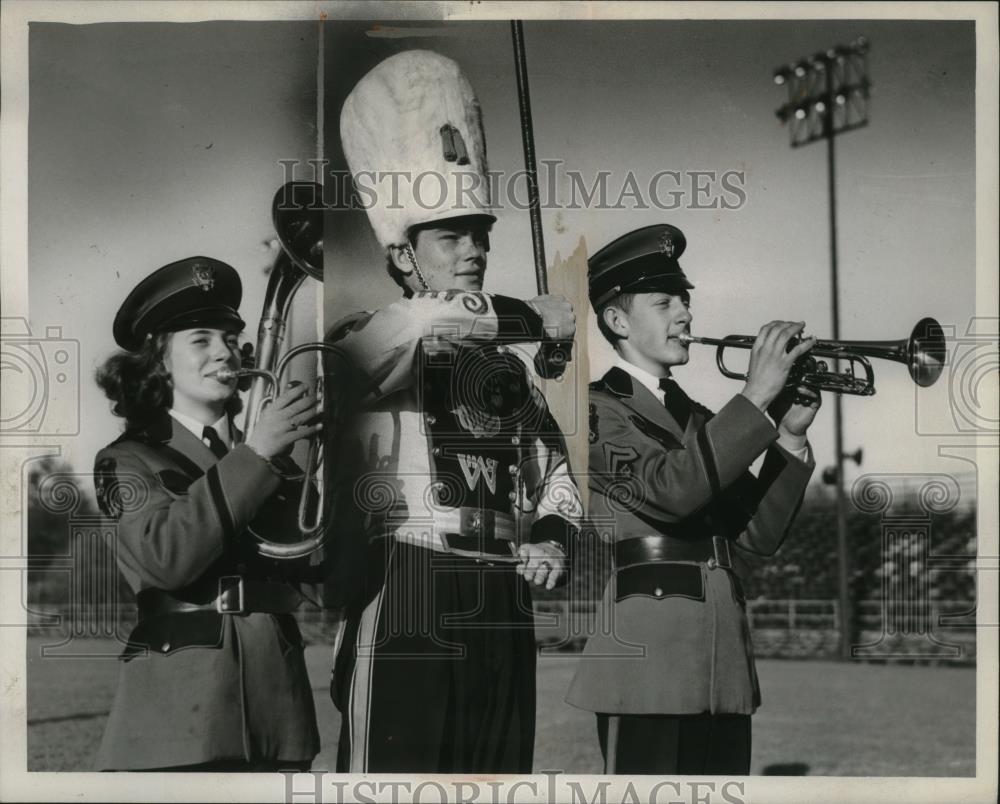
x=213, y=676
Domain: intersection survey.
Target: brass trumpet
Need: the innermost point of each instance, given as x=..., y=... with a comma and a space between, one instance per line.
x=297, y=214
x=923, y=353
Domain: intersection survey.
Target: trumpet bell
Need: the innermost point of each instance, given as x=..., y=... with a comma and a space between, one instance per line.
x=926, y=352
x=297, y=214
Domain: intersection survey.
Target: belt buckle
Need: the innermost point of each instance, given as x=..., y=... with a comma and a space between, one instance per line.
x=227, y=584
x=478, y=522
x=722, y=559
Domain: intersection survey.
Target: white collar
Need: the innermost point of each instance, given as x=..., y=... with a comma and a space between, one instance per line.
x=650, y=381
x=197, y=428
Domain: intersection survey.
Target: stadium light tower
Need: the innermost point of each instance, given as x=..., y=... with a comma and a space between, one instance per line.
x=828, y=95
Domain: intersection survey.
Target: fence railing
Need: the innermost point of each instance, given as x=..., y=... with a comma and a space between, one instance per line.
x=791, y=614
x=786, y=627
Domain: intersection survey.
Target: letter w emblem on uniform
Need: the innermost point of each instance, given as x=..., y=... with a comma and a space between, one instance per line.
x=476, y=466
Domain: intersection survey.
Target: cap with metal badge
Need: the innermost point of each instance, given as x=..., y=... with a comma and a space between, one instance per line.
x=189, y=293
x=641, y=261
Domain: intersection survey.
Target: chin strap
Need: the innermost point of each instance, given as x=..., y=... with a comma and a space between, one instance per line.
x=416, y=268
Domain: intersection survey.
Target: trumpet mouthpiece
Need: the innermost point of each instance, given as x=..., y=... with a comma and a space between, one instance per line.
x=227, y=374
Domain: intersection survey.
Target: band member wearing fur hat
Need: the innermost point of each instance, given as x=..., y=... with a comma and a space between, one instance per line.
x=672, y=680
x=213, y=676
x=454, y=484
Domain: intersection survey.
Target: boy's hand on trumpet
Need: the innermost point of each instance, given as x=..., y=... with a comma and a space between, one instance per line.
x=793, y=411
x=293, y=414
x=771, y=359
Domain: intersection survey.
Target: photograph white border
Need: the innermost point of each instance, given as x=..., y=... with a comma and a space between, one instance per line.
x=19, y=785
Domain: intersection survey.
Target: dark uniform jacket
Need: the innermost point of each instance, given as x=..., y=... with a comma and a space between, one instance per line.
x=678, y=642
x=198, y=686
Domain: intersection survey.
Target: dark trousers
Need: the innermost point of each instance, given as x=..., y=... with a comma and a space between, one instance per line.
x=693, y=745
x=442, y=680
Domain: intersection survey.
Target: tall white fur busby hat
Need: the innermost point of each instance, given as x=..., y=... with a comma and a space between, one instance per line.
x=415, y=114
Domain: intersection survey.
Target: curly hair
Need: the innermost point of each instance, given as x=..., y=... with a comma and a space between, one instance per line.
x=139, y=385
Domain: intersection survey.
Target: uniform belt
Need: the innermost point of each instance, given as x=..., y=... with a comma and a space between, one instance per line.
x=469, y=532
x=236, y=595
x=713, y=551
x=660, y=580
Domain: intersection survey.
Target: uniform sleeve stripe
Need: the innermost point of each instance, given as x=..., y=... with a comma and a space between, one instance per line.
x=705, y=447
x=221, y=504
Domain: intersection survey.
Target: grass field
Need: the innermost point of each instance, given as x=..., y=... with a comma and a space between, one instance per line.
x=818, y=718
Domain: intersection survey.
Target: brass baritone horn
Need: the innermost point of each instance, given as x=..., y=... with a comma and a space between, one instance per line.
x=297, y=214
x=923, y=353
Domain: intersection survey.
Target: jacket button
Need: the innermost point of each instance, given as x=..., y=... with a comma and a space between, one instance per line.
x=165, y=647
x=512, y=468
x=431, y=419
x=512, y=496
x=515, y=440
x=436, y=451
x=712, y=563
x=658, y=592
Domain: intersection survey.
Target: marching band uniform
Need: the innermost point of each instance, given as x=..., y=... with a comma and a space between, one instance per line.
x=448, y=458
x=671, y=673
x=213, y=673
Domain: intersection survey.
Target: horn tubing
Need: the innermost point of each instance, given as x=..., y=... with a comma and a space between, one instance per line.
x=284, y=282
x=297, y=219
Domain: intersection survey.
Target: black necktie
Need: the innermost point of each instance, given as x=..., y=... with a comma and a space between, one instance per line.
x=215, y=443
x=676, y=401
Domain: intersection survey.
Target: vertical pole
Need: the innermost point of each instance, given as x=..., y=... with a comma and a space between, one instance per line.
x=552, y=357
x=843, y=554
x=530, y=169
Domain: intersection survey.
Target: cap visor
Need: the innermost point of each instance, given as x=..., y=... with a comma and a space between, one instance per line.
x=213, y=318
